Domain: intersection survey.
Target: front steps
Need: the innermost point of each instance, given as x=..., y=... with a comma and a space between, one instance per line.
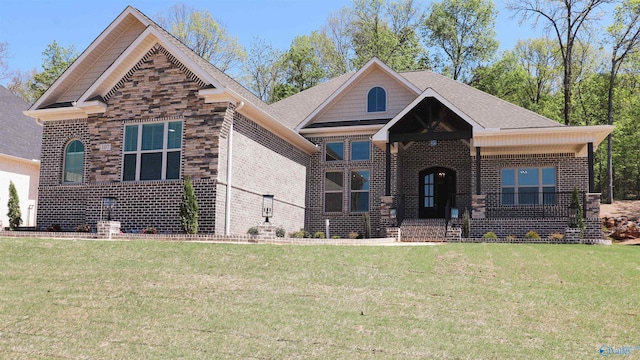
x=422, y=230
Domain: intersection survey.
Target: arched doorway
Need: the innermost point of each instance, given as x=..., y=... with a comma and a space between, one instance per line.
x=437, y=185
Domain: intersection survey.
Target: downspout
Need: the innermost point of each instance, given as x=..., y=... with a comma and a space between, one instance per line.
x=227, y=211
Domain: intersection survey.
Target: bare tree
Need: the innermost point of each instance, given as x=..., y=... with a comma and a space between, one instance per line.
x=262, y=70
x=4, y=67
x=204, y=35
x=565, y=19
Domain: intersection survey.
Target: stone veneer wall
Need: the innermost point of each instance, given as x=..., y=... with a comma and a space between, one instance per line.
x=344, y=222
x=158, y=88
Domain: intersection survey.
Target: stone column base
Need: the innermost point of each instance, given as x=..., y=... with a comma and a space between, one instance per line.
x=267, y=232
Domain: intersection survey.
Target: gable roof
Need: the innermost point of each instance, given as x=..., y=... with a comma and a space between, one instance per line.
x=343, y=88
x=116, y=51
x=21, y=136
x=488, y=111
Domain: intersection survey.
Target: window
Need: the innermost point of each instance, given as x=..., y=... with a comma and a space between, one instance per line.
x=377, y=100
x=333, y=190
x=359, y=190
x=360, y=150
x=334, y=151
x=152, y=151
x=429, y=193
x=73, y=162
x=529, y=186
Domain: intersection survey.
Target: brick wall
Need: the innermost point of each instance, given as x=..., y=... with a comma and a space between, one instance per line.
x=262, y=164
x=450, y=154
x=344, y=222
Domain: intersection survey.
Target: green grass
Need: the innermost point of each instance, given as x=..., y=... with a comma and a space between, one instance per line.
x=124, y=300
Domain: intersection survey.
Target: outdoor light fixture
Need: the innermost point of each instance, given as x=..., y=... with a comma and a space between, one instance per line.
x=108, y=204
x=267, y=207
x=573, y=216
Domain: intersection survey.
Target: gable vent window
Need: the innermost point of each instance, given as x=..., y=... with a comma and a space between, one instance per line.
x=377, y=100
x=152, y=151
x=73, y=162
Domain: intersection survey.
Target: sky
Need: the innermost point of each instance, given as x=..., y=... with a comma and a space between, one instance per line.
x=28, y=26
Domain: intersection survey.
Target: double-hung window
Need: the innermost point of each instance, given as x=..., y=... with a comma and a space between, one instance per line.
x=359, y=190
x=529, y=186
x=333, y=190
x=334, y=151
x=152, y=151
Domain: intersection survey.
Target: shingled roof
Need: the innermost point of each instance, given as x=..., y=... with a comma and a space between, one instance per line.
x=487, y=110
x=21, y=136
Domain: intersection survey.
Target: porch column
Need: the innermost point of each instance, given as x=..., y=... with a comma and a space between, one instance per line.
x=478, y=174
x=387, y=188
x=590, y=161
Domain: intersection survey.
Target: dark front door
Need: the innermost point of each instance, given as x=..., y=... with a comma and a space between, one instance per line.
x=437, y=185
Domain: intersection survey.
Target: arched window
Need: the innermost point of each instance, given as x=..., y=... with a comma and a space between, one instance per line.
x=73, y=162
x=377, y=100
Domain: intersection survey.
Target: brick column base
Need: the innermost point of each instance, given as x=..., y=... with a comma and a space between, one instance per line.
x=267, y=232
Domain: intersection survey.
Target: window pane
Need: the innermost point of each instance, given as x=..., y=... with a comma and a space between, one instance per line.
x=131, y=138
x=508, y=177
x=173, y=165
x=335, y=151
x=129, y=171
x=73, y=162
x=528, y=195
x=508, y=196
x=360, y=201
x=333, y=202
x=333, y=181
x=151, y=166
x=528, y=176
x=175, y=135
x=152, y=136
x=548, y=176
x=360, y=180
x=428, y=201
x=360, y=150
x=376, y=100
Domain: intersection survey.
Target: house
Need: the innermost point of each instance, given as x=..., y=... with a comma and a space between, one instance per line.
x=20, y=141
x=138, y=112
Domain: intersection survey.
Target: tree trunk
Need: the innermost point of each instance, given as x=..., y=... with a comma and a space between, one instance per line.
x=612, y=78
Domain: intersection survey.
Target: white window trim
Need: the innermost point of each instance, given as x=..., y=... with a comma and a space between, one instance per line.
x=164, y=151
x=386, y=100
x=64, y=161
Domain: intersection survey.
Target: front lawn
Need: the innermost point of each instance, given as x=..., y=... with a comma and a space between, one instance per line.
x=142, y=299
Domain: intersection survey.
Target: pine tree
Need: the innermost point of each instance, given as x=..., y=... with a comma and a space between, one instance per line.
x=189, y=208
x=14, y=214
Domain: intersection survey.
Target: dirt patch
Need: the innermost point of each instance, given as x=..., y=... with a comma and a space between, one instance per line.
x=628, y=208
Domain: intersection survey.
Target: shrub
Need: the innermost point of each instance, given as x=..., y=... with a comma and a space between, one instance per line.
x=335, y=237
x=490, y=235
x=575, y=201
x=532, y=235
x=355, y=235
x=556, y=236
x=253, y=231
x=305, y=234
x=280, y=232
x=189, y=208
x=511, y=237
x=54, y=228
x=14, y=214
x=83, y=228
x=466, y=223
x=318, y=235
x=150, y=230
x=296, y=234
